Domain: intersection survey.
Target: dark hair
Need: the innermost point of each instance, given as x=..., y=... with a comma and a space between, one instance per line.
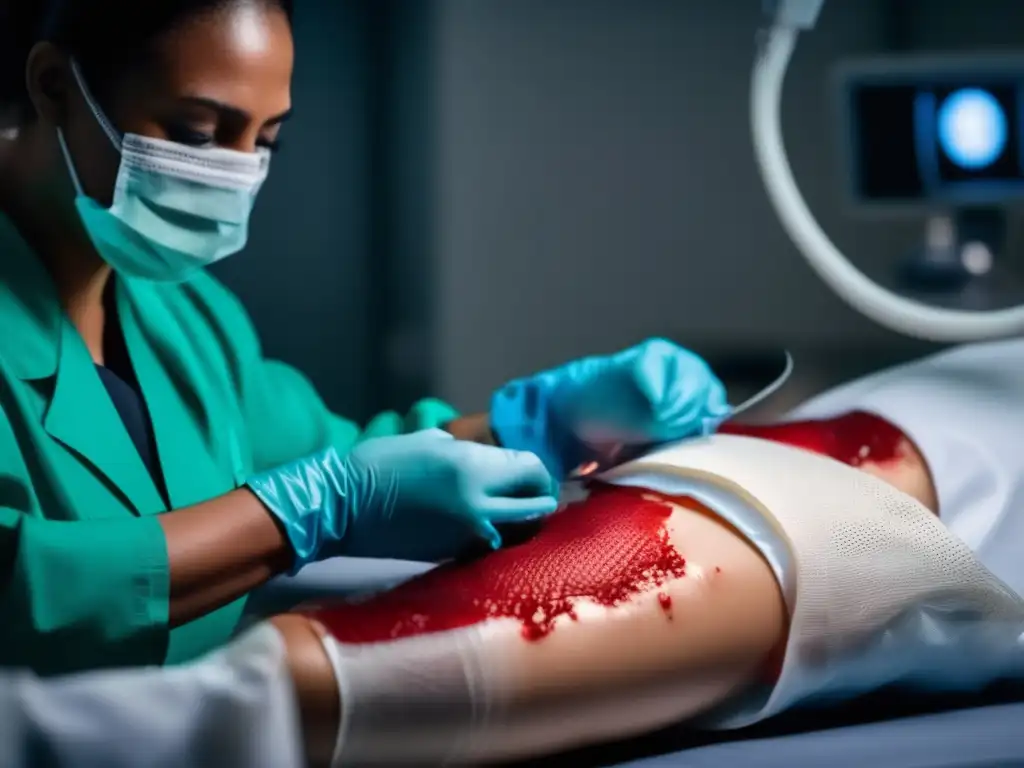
x=106, y=37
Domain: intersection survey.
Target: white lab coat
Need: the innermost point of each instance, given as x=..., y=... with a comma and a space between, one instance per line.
x=233, y=709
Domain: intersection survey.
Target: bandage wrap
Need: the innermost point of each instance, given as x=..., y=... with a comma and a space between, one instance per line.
x=880, y=591
x=412, y=701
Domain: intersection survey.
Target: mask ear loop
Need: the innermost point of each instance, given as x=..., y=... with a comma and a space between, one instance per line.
x=69, y=162
x=108, y=128
x=101, y=119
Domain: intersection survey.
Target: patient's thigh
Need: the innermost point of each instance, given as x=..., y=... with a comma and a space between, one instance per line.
x=700, y=635
x=622, y=591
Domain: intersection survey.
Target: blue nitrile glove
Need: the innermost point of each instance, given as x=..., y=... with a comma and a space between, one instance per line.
x=422, y=496
x=651, y=393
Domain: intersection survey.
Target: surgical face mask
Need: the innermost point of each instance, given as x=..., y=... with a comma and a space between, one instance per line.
x=175, y=208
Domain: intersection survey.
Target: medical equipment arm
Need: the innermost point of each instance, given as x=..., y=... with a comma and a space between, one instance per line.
x=788, y=18
x=234, y=709
x=794, y=14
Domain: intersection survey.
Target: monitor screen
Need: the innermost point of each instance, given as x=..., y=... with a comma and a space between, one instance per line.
x=957, y=142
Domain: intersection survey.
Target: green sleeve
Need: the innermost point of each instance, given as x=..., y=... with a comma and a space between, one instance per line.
x=285, y=416
x=82, y=595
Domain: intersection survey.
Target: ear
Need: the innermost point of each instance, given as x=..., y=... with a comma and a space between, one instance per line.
x=48, y=80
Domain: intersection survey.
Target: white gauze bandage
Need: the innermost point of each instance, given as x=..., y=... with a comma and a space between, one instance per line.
x=458, y=698
x=879, y=590
x=416, y=701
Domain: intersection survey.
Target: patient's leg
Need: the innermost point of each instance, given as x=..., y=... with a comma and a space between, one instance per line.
x=625, y=597
x=628, y=597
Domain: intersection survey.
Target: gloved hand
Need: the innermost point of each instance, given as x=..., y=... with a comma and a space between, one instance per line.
x=423, y=496
x=651, y=393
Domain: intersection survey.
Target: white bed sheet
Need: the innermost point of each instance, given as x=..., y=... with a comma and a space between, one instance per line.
x=964, y=409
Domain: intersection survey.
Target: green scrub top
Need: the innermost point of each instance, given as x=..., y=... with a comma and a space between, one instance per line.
x=84, y=575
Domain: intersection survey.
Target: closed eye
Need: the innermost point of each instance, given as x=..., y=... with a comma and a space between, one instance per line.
x=193, y=138
x=180, y=134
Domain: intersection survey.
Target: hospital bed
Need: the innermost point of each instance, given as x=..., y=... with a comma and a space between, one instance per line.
x=883, y=730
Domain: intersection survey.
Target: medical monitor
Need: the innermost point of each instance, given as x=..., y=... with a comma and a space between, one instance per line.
x=933, y=131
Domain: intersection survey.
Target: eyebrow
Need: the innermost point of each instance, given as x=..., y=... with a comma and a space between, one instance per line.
x=235, y=112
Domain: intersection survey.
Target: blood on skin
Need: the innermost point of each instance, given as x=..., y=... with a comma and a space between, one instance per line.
x=665, y=601
x=854, y=438
x=606, y=549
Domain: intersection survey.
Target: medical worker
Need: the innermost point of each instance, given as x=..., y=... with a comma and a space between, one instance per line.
x=154, y=466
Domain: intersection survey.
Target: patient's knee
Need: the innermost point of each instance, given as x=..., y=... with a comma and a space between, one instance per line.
x=862, y=440
x=909, y=474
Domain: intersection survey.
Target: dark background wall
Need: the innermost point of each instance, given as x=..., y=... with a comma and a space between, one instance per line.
x=473, y=189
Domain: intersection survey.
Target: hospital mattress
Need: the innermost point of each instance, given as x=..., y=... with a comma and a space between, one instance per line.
x=877, y=731
x=983, y=736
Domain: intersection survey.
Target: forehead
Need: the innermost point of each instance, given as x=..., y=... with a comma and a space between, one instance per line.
x=237, y=55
